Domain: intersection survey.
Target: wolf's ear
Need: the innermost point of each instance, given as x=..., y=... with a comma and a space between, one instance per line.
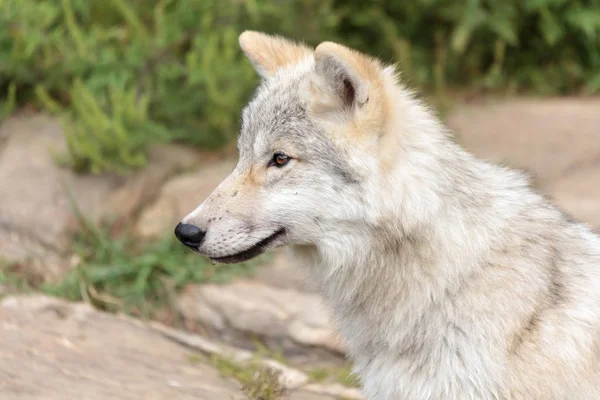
x=346, y=78
x=268, y=53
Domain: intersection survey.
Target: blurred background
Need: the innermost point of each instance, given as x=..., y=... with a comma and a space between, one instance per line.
x=120, y=116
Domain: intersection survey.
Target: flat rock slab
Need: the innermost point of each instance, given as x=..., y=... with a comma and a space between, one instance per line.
x=556, y=140
x=254, y=308
x=75, y=352
x=38, y=218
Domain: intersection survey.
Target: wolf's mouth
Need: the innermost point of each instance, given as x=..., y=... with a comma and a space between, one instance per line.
x=252, y=252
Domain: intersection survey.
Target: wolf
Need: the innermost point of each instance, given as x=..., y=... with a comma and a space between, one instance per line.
x=448, y=277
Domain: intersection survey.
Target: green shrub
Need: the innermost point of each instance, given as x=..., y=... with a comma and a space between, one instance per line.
x=125, y=73
x=548, y=46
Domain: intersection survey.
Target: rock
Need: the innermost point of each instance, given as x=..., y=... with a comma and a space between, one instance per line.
x=336, y=390
x=141, y=187
x=556, y=140
x=77, y=351
x=254, y=308
x=37, y=217
x=290, y=378
x=179, y=197
x=57, y=350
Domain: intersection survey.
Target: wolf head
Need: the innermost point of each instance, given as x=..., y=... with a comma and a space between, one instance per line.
x=315, y=149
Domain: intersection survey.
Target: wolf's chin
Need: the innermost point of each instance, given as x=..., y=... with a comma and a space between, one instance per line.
x=252, y=252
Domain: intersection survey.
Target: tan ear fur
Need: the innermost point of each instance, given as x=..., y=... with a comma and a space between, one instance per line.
x=367, y=68
x=269, y=53
x=349, y=82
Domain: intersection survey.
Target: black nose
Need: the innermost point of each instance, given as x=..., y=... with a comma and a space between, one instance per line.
x=190, y=235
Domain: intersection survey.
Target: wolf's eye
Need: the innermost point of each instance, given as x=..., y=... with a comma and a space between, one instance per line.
x=279, y=160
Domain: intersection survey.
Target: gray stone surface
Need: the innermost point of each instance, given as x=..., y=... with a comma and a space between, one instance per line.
x=254, y=308
x=54, y=350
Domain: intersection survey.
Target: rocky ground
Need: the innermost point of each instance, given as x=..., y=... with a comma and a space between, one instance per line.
x=52, y=349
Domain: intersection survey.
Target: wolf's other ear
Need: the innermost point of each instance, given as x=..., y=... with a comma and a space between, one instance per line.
x=269, y=53
x=348, y=75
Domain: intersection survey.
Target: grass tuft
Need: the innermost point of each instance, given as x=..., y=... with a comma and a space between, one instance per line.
x=119, y=274
x=258, y=382
x=342, y=375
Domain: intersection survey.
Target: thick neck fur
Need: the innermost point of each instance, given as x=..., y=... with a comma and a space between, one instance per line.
x=449, y=277
x=403, y=284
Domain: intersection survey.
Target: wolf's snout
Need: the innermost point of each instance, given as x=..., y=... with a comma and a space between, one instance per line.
x=190, y=235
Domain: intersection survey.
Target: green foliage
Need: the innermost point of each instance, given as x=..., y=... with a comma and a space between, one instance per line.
x=548, y=46
x=105, y=133
x=265, y=385
x=259, y=382
x=124, y=73
x=9, y=104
